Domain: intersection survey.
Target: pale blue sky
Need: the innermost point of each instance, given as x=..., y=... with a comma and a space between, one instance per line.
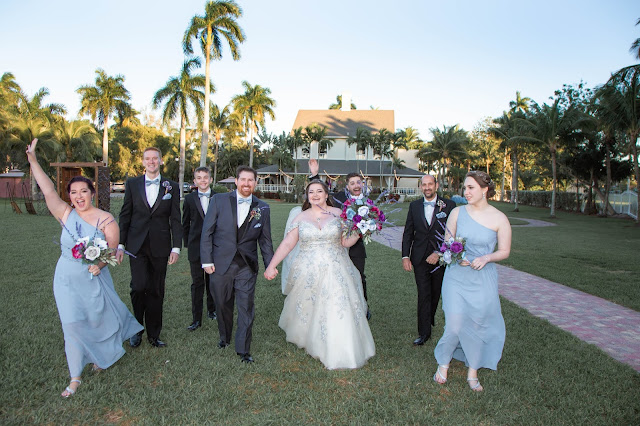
x=433, y=62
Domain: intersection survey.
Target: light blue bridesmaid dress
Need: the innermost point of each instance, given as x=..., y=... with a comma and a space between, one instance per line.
x=94, y=320
x=474, y=330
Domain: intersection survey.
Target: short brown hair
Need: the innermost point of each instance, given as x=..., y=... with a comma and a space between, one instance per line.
x=153, y=148
x=202, y=169
x=243, y=168
x=484, y=181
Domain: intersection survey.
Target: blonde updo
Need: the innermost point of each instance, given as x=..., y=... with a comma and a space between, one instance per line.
x=484, y=180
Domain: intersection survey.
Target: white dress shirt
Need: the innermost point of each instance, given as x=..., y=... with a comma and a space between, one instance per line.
x=204, y=201
x=243, y=209
x=428, y=210
x=152, y=191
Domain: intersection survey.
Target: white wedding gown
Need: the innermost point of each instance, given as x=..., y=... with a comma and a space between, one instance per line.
x=325, y=310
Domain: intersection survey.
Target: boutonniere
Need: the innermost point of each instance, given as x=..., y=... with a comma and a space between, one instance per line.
x=441, y=215
x=441, y=204
x=255, y=214
x=167, y=188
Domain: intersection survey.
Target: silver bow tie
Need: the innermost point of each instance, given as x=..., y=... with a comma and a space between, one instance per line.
x=155, y=181
x=430, y=203
x=244, y=200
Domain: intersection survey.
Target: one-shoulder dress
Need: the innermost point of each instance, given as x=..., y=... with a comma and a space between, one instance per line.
x=474, y=330
x=325, y=310
x=94, y=320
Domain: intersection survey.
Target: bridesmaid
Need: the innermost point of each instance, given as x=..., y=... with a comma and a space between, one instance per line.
x=474, y=330
x=94, y=320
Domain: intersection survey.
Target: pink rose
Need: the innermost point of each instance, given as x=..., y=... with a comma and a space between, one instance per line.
x=76, y=251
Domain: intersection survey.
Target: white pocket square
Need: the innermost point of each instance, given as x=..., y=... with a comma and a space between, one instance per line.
x=441, y=215
x=166, y=197
x=258, y=225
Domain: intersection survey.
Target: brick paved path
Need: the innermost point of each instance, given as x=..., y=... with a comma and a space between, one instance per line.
x=613, y=328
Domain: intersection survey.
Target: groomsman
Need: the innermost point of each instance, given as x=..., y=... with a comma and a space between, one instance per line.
x=150, y=229
x=426, y=218
x=357, y=252
x=235, y=224
x=194, y=209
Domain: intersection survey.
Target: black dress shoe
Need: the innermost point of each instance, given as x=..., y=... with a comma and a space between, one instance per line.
x=212, y=315
x=156, y=343
x=246, y=357
x=222, y=344
x=194, y=325
x=368, y=315
x=420, y=340
x=135, y=341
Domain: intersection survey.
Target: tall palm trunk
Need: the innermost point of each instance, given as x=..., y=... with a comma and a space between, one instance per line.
x=555, y=182
x=215, y=161
x=514, y=181
x=607, y=162
x=251, y=145
x=204, y=144
x=504, y=174
x=636, y=169
x=105, y=141
x=183, y=141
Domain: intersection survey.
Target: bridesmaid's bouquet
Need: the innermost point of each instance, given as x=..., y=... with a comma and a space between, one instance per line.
x=452, y=251
x=93, y=251
x=362, y=216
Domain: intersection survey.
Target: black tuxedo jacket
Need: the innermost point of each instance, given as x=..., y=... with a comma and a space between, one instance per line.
x=358, y=249
x=419, y=239
x=161, y=222
x=192, y=219
x=221, y=238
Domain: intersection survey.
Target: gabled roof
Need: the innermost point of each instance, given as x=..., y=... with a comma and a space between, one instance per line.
x=344, y=123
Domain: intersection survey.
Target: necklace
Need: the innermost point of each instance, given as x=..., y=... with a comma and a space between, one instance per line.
x=318, y=219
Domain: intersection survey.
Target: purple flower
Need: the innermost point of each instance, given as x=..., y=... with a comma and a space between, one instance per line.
x=369, y=201
x=443, y=247
x=457, y=247
x=382, y=217
x=357, y=218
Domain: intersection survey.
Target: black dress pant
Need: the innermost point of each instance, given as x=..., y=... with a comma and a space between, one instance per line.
x=358, y=262
x=429, y=283
x=200, y=282
x=147, y=288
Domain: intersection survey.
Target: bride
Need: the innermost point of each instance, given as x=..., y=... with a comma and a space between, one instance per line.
x=325, y=310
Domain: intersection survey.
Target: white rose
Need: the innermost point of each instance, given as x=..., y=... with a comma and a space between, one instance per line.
x=363, y=211
x=102, y=244
x=83, y=240
x=92, y=253
x=362, y=226
x=372, y=225
x=446, y=256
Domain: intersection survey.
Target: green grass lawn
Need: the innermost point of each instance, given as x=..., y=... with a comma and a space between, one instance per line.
x=546, y=375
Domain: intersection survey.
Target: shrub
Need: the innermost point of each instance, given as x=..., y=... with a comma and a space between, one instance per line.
x=220, y=189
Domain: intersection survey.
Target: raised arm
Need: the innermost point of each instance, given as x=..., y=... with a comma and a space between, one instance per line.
x=55, y=204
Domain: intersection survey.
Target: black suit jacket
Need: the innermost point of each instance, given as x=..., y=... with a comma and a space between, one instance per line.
x=419, y=239
x=358, y=249
x=192, y=219
x=161, y=222
x=221, y=238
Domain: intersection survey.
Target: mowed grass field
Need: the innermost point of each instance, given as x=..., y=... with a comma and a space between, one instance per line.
x=546, y=376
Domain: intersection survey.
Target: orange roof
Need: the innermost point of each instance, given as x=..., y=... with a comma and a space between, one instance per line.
x=344, y=123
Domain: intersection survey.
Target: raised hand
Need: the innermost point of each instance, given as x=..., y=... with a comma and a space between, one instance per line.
x=31, y=150
x=314, y=167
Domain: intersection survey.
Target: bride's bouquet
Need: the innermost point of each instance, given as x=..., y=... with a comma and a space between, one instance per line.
x=361, y=216
x=93, y=251
x=452, y=251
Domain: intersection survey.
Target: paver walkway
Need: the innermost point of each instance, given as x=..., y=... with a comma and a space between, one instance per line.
x=613, y=328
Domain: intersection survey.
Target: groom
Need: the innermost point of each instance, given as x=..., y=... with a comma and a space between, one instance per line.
x=235, y=223
x=426, y=219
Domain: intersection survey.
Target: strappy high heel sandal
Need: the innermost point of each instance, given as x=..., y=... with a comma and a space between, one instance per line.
x=68, y=391
x=439, y=375
x=477, y=387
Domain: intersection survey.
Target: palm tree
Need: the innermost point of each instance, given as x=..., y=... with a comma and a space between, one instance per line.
x=519, y=104
x=382, y=146
x=362, y=140
x=220, y=122
x=126, y=116
x=103, y=100
x=554, y=128
x=338, y=104
x=217, y=24
x=253, y=105
x=295, y=141
x=635, y=46
x=179, y=93
x=315, y=133
x=626, y=107
x=484, y=144
x=447, y=145
x=79, y=140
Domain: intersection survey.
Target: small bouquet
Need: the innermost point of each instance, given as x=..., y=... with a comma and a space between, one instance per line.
x=93, y=251
x=362, y=216
x=452, y=251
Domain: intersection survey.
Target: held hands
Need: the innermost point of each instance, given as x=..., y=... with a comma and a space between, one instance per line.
x=270, y=273
x=406, y=264
x=433, y=258
x=173, y=258
x=94, y=270
x=119, y=256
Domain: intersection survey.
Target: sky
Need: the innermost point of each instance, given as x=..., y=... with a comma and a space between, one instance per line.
x=434, y=63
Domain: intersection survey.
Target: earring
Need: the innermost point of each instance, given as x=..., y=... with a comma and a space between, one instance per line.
x=483, y=195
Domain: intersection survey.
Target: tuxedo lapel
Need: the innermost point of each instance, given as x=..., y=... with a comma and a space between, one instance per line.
x=199, y=204
x=424, y=219
x=161, y=190
x=141, y=189
x=433, y=215
x=233, y=202
x=245, y=225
